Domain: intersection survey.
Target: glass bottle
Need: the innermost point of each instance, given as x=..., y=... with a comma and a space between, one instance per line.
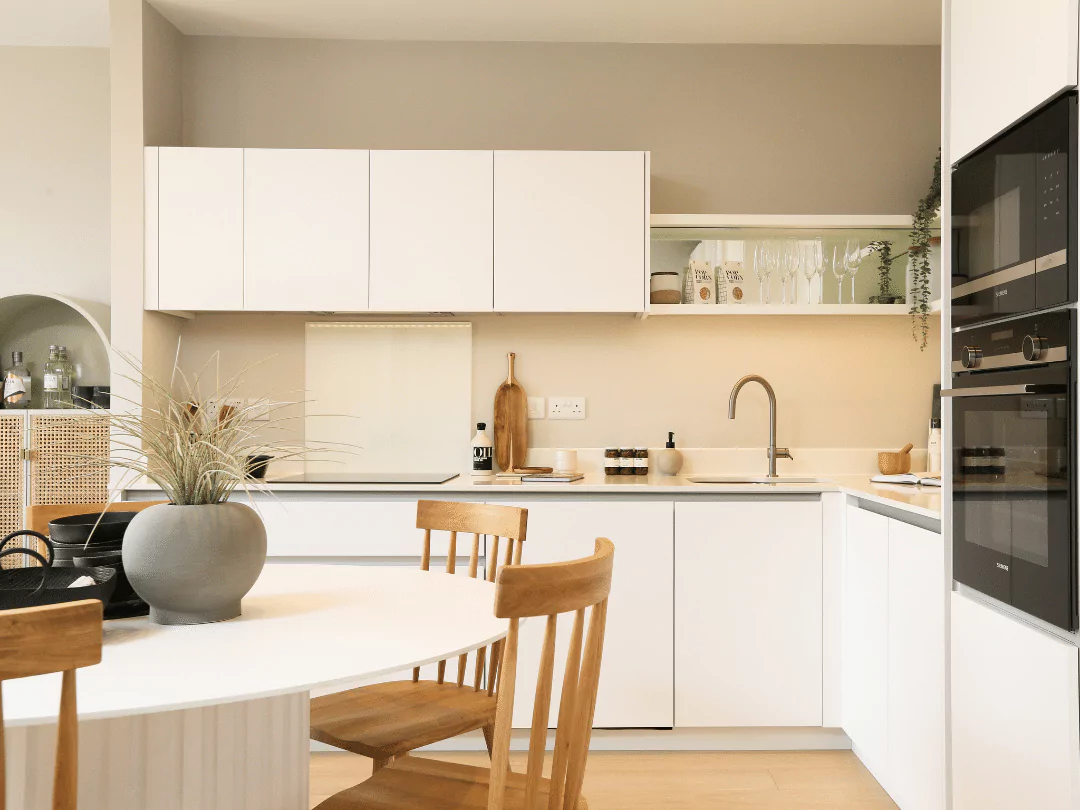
x=67, y=377
x=17, y=383
x=51, y=380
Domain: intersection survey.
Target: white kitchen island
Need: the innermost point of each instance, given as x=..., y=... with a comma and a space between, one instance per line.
x=215, y=717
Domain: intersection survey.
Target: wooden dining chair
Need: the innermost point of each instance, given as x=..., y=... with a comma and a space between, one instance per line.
x=386, y=720
x=41, y=640
x=541, y=591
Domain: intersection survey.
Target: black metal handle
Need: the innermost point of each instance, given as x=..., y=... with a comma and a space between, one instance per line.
x=30, y=533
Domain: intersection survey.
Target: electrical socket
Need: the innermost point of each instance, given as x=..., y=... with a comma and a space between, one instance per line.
x=566, y=407
x=260, y=409
x=536, y=407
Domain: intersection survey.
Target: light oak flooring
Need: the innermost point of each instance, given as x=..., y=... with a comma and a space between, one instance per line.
x=739, y=780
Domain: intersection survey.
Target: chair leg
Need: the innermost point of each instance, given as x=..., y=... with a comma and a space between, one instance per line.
x=378, y=764
x=489, y=738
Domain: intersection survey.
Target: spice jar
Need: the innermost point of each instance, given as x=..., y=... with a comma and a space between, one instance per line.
x=611, y=461
x=626, y=461
x=664, y=288
x=641, y=461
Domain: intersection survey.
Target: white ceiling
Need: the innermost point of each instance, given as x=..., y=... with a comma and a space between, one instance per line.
x=759, y=21
x=55, y=22
x=900, y=22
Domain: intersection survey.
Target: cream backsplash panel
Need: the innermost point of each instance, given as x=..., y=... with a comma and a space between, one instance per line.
x=397, y=394
x=841, y=382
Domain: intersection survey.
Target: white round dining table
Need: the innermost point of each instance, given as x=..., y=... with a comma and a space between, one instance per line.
x=215, y=716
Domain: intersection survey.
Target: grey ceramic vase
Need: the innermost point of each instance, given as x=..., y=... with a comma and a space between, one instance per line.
x=193, y=564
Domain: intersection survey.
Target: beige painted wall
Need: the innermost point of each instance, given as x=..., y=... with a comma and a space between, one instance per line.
x=840, y=382
x=746, y=129
x=732, y=128
x=54, y=171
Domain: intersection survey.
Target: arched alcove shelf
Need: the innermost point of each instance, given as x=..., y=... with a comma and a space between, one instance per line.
x=30, y=323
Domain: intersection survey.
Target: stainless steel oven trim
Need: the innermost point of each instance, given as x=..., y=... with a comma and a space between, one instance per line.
x=1013, y=273
x=1051, y=260
x=993, y=391
x=1014, y=359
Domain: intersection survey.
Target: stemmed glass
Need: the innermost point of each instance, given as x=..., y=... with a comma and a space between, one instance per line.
x=763, y=267
x=838, y=265
x=789, y=267
x=812, y=266
x=852, y=259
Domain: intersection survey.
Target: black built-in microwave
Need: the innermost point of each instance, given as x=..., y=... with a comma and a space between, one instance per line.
x=1014, y=219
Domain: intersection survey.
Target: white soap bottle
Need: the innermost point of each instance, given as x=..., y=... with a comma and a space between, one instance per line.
x=482, y=452
x=933, y=447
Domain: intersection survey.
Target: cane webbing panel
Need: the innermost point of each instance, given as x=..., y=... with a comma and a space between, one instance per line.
x=11, y=481
x=57, y=475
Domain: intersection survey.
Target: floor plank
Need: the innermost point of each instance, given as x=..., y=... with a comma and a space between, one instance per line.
x=720, y=780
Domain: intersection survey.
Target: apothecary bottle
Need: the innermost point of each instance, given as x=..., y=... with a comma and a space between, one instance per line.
x=17, y=387
x=50, y=380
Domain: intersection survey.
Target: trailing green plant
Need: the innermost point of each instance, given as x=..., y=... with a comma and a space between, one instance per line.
x=919, y=251
x=885, y=295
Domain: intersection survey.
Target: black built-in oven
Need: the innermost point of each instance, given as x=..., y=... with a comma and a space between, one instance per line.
x=1013, y=454
x=1014, y=219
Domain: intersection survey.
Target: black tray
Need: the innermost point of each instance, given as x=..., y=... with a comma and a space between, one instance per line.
x=47, y=585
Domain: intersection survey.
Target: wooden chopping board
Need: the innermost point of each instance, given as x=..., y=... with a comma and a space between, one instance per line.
x=511, y=422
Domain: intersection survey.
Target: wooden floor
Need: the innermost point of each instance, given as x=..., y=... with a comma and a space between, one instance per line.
x=740, y=780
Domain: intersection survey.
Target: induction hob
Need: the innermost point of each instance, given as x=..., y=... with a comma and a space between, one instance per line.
x=366, y=478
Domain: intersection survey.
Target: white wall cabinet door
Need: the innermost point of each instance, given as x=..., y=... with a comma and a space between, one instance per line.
x=570, y=231
x=305, y=230
x=865, y=637
x=748, y=602
x=1015, y=736
x=200, y=228
x=916, y=680
x=431, y=231
x=636, y=670
x=1006, y=59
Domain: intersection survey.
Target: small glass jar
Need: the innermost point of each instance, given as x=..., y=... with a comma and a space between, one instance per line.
x=641, y=461
x=611, y=461
x=626, y=461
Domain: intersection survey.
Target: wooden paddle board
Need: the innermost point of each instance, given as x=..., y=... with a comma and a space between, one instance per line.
x=511, y=422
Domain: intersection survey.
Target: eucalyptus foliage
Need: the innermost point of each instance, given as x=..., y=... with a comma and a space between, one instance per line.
x=919, y=251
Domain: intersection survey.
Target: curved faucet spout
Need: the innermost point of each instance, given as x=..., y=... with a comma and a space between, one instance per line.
x=773, y=451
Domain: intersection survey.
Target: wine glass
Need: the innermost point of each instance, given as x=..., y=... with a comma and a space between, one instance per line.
x=789, y=267
x=811, y=266
x=762, y=270
x=852, y=260
x=838, y=264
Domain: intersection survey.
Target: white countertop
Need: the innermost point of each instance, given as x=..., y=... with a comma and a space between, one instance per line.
x=303, y=627
x=923, y=501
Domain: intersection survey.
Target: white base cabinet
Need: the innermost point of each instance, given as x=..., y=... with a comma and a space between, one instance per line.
x=748, y=607
x=893, y=689
x=1015, y=736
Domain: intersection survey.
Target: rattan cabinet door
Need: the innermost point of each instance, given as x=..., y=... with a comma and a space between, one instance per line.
x=12, y=480
x=58, y=472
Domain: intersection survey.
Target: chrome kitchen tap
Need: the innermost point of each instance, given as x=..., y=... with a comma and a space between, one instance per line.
x=773, y=451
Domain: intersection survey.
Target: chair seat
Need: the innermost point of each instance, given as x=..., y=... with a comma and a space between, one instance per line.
x=417, y=782
x=388, y=719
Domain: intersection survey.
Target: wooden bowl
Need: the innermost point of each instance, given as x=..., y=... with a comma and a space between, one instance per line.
x=895, y=463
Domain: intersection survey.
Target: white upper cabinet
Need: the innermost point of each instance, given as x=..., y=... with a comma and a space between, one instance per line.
x=748, y=604
x=1006, y=57
x=431, y=231
x=305, y=230
x=200, y=229
x=570, y=231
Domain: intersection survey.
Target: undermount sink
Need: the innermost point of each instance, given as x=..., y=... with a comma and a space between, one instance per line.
x=752, y=479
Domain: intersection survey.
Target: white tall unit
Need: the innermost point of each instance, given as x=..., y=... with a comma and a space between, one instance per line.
x=636, y=674
x=432, y=231
x=1006, y=57
x=305, y=230
x=1015, y=728
x=200, y=233
x=570, y=231
x=865, y=638
x=748, y=599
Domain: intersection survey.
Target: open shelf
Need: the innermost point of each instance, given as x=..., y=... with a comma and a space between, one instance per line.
x=720, y=310
x=784, y=221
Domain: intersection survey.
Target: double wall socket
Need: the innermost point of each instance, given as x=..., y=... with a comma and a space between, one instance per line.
x=566, y=407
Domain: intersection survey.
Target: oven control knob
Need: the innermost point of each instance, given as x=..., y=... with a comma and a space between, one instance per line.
x=1034, y=347
x=970, y=356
